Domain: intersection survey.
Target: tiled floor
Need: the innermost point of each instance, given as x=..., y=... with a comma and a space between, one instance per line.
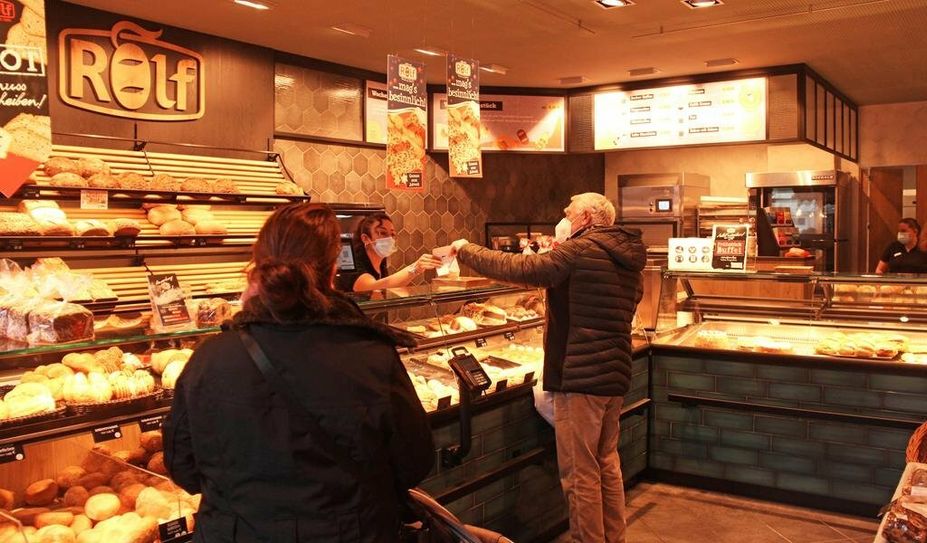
x=660, y=513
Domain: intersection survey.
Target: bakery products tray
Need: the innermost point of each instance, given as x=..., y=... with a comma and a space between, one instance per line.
x=117, y=407
x=39, y=417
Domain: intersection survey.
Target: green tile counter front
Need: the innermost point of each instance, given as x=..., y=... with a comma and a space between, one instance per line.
x=525, y=503
x=800, y=428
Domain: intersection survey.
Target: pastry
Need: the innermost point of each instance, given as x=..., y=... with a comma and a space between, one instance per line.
x=92, y=227
x=60, y=322
x=133, y=181
x=60, y=164
x=103, y=181
x=162, y=214
x=288, y=189
x=156, y=464
x=165, y=183
x=213, y=312
x=82, y=362
x=28, y=399
x=60, y=518
x=171, y=373
x=110, y=359
x=211, y=228
x=90, y=166
x=196, y=184
x=102, y=506
x=76, y=496
x=67, y=179
x=18, y=224
x=417, y=329
x=463, y=324
x=130, y=320
x=177, y=228
x=224, y=186
x=69, y=476
x=7, y=499
x=41, y=493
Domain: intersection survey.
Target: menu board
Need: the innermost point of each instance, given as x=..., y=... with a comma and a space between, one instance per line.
x=730, y=247
x=463, y=117
x=720, y=112
x=25, y=136
x=510, y=123
x=406, y=121
x=375, y=112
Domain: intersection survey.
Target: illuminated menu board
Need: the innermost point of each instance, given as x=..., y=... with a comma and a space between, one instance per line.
x=510, y=123
x=720, y=112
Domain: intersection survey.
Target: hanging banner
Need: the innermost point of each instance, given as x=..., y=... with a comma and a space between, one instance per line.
x=25, y=136
x=406, y=119
x=463, y=117
x=375, y=112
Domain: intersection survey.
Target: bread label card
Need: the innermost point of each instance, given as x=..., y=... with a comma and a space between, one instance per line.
x=150, y=424
x=509, y=336
x=480, y=343
x=174, y=531
x=463, y=117
x=106, y=433
x=94, y=199
x=11, y=453
x=730, y=247
x=26, y=136
x=407, y=115
x=168, y=301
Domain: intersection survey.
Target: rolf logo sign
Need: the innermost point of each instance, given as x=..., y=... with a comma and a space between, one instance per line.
x=129, y=72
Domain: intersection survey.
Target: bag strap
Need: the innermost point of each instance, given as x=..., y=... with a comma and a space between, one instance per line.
x=279, y=385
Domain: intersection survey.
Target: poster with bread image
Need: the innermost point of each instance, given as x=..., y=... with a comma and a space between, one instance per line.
x=405, y=129
x=25, y=127
x=463, y=117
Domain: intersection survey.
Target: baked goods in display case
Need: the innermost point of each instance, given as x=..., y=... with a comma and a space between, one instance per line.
x=906, y=519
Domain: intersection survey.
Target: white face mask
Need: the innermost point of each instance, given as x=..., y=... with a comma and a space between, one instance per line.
x=563, y=230
x=384, y=247
x=904, y=238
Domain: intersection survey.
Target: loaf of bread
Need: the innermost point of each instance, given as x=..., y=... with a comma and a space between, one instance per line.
x=60, y=322
x=196, y=184
x=225, y=186
x=56, y=227
x=91, y=166
x=195, y=214
x=162, y=214
x=211, y=228
x=39, y=214
x=31, y=134
x=177, y=228
x=92, y=227
x=18, y=224
x=125, y=228
x=28, y=206
x=60, y=518
x=133, y=181
x=27, y=399
x=288, y=189
x=152, y=441
x=103, y=181
x=76, y=496
x=67, y=179
x=165, y=182
x=60, y=164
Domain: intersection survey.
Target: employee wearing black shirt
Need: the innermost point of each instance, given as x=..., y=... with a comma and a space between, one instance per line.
x=904, y=255
x=374, y=242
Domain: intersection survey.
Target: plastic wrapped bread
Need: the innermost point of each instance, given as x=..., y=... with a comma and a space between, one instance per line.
x=59, y=322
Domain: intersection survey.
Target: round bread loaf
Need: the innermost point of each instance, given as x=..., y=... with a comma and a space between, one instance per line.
x=152, y=441
x=42, y=492
x=102, y=506
x=60, y=164
x=194, y=215
x=91, y=166
x=69, y=476
x=211, y=227
x=68, y=179
x=166, y=183
x=103, y=181
x=196, y=184
x=76, y=496
x=133, y=181
x=125, y=228
x=177, y=228
x=162, y=214
x=225, y=186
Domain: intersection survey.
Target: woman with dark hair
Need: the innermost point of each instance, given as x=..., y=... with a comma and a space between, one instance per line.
x=374, y=242
x=298, y=422
x=904, y=255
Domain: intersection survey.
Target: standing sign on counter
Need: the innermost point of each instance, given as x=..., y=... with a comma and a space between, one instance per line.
x=25, y=136
x=510, y=123
x=375, y=96
x=168, y=302
x=690, y=254
x=406, y=121
x=463, y=117
x=730, y=247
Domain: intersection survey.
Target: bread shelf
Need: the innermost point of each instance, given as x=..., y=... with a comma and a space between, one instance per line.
x=74, y=424
x=21, y=243
x=125, y=196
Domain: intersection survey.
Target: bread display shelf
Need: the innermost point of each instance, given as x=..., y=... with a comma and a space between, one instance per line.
x=24, y=243
x=47, y=192
x=73, y=424
x=464, y=337
x=14, y=350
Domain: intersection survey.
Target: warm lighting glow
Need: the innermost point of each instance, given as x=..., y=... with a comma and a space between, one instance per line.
x=352, y=29
x=614, y=3
x=698, y=4
x=252, y=5
x=494, y=69
x=904, y=319
x=430, y=51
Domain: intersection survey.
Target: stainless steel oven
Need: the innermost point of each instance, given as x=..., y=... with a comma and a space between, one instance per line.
x=662, y=206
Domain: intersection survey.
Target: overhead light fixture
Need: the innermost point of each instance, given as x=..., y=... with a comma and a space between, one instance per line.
x=608, y=4
x=251, y=4
x=431, y=51
x=699, y=4
x=573, y=80
x=494, y=69
x=721, y=62
x=638, y=72
x=352, y=29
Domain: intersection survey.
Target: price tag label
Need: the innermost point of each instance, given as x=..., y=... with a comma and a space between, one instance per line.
x=174, y=531
x=11, y=453
x=510, y=336
x=444, y=403
x=502, y=384
x=150, y=424
x=480, y=343
x=529, y=377
x=94, y=199
x=106, y=433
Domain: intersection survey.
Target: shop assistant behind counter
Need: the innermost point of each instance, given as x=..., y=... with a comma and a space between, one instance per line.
x=904, y=255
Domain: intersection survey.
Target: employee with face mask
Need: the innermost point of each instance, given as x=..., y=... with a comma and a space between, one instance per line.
x=904, y=255
x=374, y=242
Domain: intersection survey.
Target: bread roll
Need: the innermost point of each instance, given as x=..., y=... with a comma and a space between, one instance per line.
x=288, y=189
x=162, y=214
x=93, y=479
x=177, y=228
x=196, y=184
x=82, y=362
x=156, y=464
x=7, y=499
x=166, y=183
x=76, y=496
x=103, y=181
x=152, y=441
x=92, y=227
x=195, y=215
x=133, y=181
x=18, y=224
x=53, y=517
x=68, y=180
x=69, y=476
x=27, y=515
x=91, y=166
x=212, y=228
x=41, y=492
x=56, y=534
x=125, y=228
x=129, y=494
x=225, y=186
x=60, y=164
x=81, y=524
x=101, y=490
x=102, y=506
x=152, y=503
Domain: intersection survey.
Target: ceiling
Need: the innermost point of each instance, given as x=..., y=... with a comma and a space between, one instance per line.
x=872, y=50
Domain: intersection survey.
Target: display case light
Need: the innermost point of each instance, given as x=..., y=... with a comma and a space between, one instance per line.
x=253, y=5
x=431, y=51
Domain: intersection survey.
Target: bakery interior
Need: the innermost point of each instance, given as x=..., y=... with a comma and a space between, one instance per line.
x=785, y=398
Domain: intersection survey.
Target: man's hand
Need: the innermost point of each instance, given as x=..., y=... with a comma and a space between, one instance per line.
x=457, y=246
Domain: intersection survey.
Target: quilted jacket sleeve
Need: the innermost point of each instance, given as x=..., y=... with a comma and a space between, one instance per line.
x=546, y=270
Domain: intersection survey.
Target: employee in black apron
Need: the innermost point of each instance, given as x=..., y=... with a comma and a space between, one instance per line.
x=374, y=242
x=904, y=255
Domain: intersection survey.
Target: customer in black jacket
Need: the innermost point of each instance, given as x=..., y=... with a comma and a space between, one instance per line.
x=264, y=476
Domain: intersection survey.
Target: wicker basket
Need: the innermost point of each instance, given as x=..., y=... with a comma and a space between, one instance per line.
x=117, y=407
x=917, y=445
x=32, y=419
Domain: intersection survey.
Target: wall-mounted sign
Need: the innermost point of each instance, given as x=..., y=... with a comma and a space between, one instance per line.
x=375, y=96
x=406, y=121
x=25, y=136
x=510, y=123
x=463, y=117
x=721, y=112
x=128, y=71
x=730, y=247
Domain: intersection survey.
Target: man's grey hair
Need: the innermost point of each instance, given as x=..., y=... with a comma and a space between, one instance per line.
x=599, y=208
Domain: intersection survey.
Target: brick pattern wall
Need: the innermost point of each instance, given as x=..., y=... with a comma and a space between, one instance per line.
x=848, y=461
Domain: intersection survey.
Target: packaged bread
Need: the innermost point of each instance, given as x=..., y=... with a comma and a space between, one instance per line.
x=196, y=184
x=103, y=181
x=125, y=228
x=161, y=214
x=288, y=189
x=60, y=322
x=90, y=166
x=18, y=224
x=213, y=312
x=195, y=214
x=60, y=164
x=132, y=181
x=211, y=228
x=166, y=183
x=67, y=179
x=92, y=227
x=225, y=186
x=177, y=228
x=17, y=318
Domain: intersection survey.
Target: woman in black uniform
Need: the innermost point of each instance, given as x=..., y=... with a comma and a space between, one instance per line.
x=904, y=255
x=374, y=242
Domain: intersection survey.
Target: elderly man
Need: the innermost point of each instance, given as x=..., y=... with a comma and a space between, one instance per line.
x=593, y=280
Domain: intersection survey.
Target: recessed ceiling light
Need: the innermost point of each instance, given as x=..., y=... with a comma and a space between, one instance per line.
x=573, y=80
x=494, y=69
x=251, y=4
x=721, y=62
x=353, y=30
x=698, y=4
x=638, y=72
x=431, y=51
x=608, y=4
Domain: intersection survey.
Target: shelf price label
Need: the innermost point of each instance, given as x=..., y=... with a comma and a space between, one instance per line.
x=480, y=343
x=94, y=199
x=150, y=424
x=12, y=453
x=509, y=336
x=174, y=531
x=106, y=433
x=502, y=384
